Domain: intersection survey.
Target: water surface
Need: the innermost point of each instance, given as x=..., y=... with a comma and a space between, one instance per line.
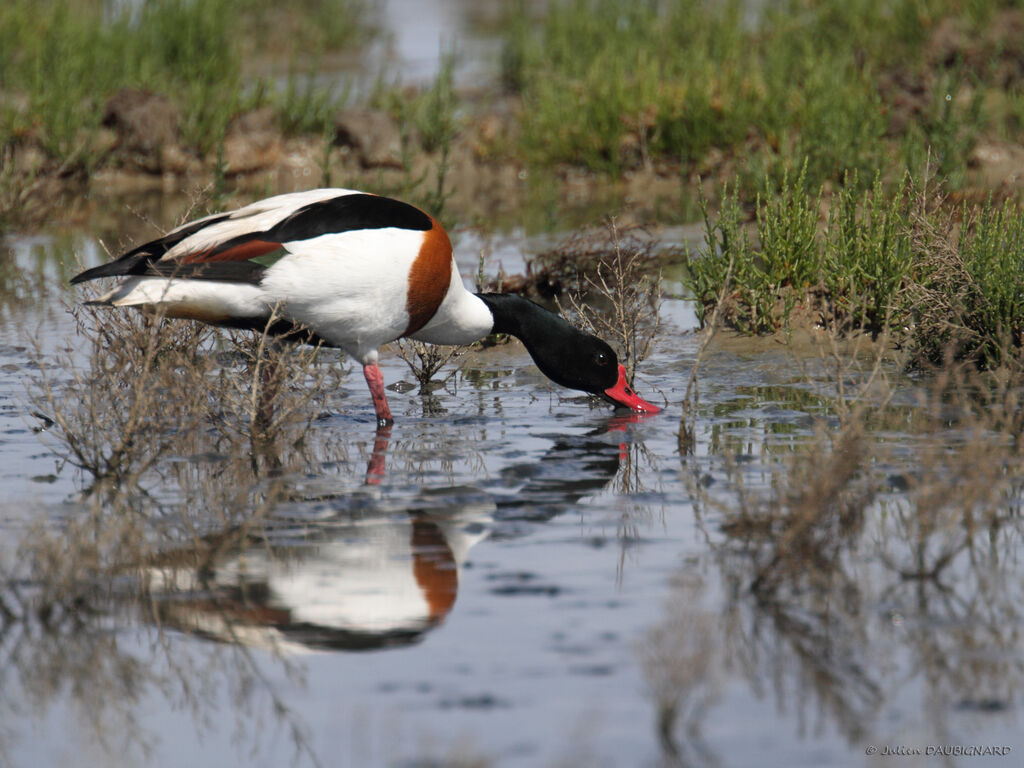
x=514, y=576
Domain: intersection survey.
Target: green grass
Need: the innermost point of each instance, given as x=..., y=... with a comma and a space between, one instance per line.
x=604, y=74
x=60, y=60
x=866, y=257
x=306, y=105
x=949, y=129
x=766, y=273
x=611, y=84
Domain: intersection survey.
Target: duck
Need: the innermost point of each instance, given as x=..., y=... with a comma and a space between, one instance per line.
x=352, y=270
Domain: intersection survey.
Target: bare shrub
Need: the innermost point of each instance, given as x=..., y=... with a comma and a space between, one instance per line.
x=566, y=267
x=616, y=295
x=908, y=503
x=959, y=466
x=58, y=602
x=281, y=388
x=969, y=454
x=187, y=442
x=125, y=393
x=939, y=299
x=426, y=361
x=798, y=531
x=967, y=299
x=176, y=430
x=137, y=387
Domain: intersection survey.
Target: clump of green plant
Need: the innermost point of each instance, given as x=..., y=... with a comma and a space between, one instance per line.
x=866, y=259
x=769, y=279
x=939, y=280
x=847, y=272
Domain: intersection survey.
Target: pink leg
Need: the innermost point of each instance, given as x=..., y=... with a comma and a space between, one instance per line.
x=375, y=380
x=377, y=467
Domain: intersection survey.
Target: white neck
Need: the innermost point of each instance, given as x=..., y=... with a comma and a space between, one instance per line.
x=462, y=318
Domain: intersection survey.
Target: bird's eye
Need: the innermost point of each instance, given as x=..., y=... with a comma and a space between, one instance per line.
x=601, y=358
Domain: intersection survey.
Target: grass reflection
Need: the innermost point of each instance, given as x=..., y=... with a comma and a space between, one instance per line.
x=884, y=547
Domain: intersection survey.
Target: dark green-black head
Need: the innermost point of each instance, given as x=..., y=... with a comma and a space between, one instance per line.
x=565, y=354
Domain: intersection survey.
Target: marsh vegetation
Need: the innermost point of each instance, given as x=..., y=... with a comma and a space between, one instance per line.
x=942, y=281
x=648, y=95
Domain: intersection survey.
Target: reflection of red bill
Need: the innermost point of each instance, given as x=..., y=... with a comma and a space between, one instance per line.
x=623, y=394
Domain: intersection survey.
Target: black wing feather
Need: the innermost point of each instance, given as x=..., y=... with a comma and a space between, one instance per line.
x=225, y=271
x=347, y=213
x=138, y=260
x=338, y=214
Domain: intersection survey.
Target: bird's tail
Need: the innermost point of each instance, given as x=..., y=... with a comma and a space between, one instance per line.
x=126, y=265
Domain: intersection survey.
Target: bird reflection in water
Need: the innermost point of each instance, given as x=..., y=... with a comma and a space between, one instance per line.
x=367, y=577
x=370, y=581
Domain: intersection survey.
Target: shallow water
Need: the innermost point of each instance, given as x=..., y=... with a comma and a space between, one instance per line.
x=415, y=35
x=513, y=577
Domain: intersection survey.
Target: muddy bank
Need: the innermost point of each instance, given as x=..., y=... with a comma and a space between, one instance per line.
x=138, y=151
x=480, y=183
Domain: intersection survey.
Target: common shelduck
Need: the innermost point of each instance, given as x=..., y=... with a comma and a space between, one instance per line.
x=350, y=270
